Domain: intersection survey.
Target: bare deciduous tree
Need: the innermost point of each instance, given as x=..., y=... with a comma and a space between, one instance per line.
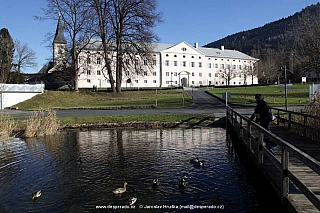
x=77, y=20
x=132, y=22
x=24, y=57
x=307, y=41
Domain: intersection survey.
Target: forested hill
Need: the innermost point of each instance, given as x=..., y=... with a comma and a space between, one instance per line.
x=276, y=35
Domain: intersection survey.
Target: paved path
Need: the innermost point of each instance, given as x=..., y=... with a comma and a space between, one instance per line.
x=203, y=104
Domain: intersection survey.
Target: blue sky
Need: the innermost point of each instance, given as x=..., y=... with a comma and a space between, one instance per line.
x=201, y=21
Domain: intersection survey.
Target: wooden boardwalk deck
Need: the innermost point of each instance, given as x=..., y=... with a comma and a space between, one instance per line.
x=294, y=168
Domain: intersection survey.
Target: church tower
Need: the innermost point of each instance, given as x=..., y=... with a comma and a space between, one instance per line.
x=59, y=45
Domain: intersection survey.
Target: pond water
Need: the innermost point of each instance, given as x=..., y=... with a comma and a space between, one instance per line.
x=78, y=170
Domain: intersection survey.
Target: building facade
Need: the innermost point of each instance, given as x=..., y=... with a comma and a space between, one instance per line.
x=172, y=65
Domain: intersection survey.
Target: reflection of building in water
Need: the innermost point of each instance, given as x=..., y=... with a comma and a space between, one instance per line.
x=180, y=138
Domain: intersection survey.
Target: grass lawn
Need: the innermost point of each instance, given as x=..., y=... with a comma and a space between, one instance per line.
x=66, y=99
x=298, y=94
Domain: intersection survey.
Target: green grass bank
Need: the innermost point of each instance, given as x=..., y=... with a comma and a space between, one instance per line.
x=298, y=94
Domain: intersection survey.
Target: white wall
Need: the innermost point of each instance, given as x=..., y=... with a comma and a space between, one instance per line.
x=11, y=94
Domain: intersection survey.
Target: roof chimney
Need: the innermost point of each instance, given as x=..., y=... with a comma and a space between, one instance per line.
x=196, y=45
x=222, y=48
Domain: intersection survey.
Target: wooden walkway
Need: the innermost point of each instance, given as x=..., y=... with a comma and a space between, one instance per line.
x=294, y=168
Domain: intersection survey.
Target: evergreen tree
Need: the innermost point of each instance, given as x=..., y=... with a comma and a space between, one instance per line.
x=6, y=54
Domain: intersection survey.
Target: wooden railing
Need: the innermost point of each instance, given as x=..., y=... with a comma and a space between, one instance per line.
x=253, y=136
x=306, y=125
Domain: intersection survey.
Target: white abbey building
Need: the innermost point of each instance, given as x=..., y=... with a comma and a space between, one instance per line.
x=172, y=65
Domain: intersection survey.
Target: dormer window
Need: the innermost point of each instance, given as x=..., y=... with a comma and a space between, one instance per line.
x=184, y=49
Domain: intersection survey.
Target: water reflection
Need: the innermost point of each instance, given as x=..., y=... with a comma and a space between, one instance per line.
x=77, y=171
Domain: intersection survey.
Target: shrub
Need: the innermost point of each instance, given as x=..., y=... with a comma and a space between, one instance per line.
x=41, y=124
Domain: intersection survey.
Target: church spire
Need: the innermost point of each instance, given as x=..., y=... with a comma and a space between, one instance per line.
x=59, y=36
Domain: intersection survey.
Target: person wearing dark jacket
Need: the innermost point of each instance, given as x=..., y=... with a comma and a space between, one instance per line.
x=261, y=113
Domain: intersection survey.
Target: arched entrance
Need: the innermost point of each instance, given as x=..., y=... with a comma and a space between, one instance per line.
x=184, y=78
x=184, y=82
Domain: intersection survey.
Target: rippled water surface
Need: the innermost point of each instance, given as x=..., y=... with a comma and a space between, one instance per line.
x=78, y=171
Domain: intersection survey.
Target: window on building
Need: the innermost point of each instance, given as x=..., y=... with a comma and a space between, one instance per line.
x=245, y=67
x=234, y=67
x=209, y=75
x=175, y=55
x=239, y=83
x=88, y=60
x=234, y=75
x=192, y=74
x=167, y=55
x=167, y=62
x=154, y=62
x=222, y=66
x=215, y=65
x=154, y=81
x=167, y=74
x=216, y=83
x=200, y=74
x=88, y=72
x=175, y=74
x=98, y=72
x=200, y=64
x=167, y=82
x=175, y=63
x=234, y=82
x=239, y=67
x=137, y=72
x=192, y=64
x=184, y=63
x=145, y=73
x=127, y=73
x=222, y=82
x=200, y=82
x=98, y=60
x=209, y=65
x=240, y=76
x=216, y=75
x=228, y=66
x=192, y=82
x=210, y=82
x=88, y=81
x=145, y=81
x=136, y=81
x=145, y=62
x=154, y=73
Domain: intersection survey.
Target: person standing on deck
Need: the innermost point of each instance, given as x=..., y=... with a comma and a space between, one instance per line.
x=261, y=113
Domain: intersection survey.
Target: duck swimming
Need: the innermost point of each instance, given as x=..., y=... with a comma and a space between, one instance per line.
x=133, y=199
x=120, y=190
x=155, y=182
x=182, y=182
x=36, y=195
x=196, y=160
x=199, y=164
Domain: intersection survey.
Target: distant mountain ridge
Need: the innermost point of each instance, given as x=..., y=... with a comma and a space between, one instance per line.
x=277, y=35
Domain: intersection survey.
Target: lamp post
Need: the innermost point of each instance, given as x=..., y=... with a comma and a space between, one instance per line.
x=285, y=88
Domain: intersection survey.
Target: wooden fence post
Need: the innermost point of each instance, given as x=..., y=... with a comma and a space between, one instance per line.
x=284, y=175
x=305, y=126
x=290, y=118
x=260, y=149
x=249, y=137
